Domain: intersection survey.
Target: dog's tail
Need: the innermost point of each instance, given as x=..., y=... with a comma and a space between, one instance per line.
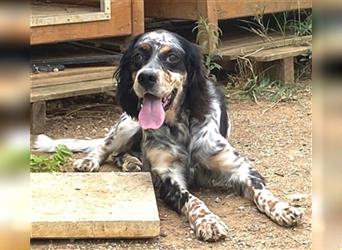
x=44, y=143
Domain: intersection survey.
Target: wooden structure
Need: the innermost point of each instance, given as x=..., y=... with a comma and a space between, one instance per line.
x=93, y=205
x=65, y=20
x=215, y=10
x=67, y=83
x=275, y=55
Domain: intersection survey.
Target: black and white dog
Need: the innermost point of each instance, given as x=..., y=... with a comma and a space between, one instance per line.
x=175, y=124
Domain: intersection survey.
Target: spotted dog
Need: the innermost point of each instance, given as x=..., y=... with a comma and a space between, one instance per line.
x=175, y=124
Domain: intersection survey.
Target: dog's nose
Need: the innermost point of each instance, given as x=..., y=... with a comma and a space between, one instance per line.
x=147, y=79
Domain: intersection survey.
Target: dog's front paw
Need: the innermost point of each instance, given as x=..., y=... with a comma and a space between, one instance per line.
x=286, y=215
x=131, y=164
x=210, y=228
x=86, y=165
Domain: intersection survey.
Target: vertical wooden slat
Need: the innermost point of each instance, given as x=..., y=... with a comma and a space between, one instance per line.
x=138, y=25
x=207, y=9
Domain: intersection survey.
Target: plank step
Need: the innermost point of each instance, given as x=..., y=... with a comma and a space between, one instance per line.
x=93, y=205
x=233, y=48
x=71, y=82
x=279, y=53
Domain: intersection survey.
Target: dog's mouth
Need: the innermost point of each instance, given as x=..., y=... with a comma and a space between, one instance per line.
x=152, y=110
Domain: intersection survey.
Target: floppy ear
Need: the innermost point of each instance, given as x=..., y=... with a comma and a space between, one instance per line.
x=124, y=93
x=197, y=89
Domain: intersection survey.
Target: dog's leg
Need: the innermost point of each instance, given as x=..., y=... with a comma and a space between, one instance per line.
x=120, y=139
x=169, y=166
x=230, y=170
x=128, y=162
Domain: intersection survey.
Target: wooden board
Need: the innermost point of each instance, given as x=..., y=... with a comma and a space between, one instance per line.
x=55, y=13
x=224, y=9
x=71, y=89
x=71, y=82
x=120, y=24
x=279, y=53
x=93, y=205
x=243, y=8
x=232, y=48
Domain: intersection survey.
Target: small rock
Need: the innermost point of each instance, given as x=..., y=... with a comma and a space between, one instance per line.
x=55, y=69
x=297, y=196
x=163, y=233
x=217, y=200
x=241, y=208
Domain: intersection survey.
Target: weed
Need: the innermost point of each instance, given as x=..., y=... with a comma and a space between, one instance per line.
x=209, y=32
x=39, y=163
x=302, y=27
x=256, y=86
x=258, y=25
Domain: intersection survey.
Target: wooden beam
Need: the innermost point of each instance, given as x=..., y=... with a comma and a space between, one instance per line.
x=207, y=10
x=138, y=23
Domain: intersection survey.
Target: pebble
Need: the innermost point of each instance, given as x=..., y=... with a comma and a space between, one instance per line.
x=163, y=233
x=297, y=196
x=217, y=200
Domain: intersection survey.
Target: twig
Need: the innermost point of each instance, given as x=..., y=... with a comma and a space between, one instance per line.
x=87, y=107
x=252, y=53
x=272, y=106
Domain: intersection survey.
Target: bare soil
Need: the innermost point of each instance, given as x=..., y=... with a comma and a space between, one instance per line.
x=277, y=140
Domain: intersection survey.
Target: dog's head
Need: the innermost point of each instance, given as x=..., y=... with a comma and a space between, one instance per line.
x=159, y=74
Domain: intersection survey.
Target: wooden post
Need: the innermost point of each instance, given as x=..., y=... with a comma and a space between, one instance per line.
x=207, y=9
x=285, y=68
x=38, y=117
x=278, y=70
x=138, y=24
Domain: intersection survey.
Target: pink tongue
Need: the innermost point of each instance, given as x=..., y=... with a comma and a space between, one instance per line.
x=152, y=113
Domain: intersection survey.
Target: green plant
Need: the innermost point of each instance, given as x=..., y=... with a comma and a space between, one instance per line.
x=208, y=37
x=53, y=163
x=256, y=85
x=302, y=27
x=258, y=25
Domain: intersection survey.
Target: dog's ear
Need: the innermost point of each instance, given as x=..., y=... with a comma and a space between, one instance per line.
x=124, y=93
x=197, y=90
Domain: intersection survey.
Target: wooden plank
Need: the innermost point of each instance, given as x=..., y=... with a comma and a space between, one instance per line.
x=72, y=79
x=178, y=9
x=242, y=46
x=279, y=53
x=71, y=72
x=38, y=117
x=71, y=89
x=224, y=9
x=138, y=24
x=54, y=13
x=93, y=205
x=243, y=8
x=118, y=25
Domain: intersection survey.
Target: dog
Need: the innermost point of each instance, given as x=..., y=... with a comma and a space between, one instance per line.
x=176, y=125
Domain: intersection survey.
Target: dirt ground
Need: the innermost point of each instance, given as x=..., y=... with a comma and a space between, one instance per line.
x=278, y=140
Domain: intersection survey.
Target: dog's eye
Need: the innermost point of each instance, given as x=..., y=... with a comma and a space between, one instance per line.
x=138, y=58
x=172, y=58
